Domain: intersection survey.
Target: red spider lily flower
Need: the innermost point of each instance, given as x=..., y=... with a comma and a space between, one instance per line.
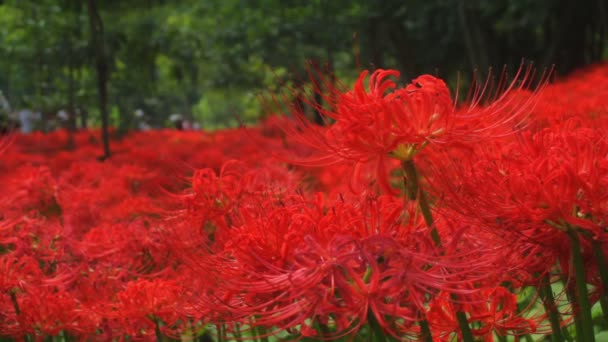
x=532, y=190
x=552, y=178
x=217, y=202
x=562, y=100
x=5, y=142
x=44, y=312
x=298, y=265
x=34, y=192
x=384, y=121
x=500, y=314
x=493, y=310
x=213, y=195
x=39, y=238
x=17, y=272
x=135, y=248
x=144, y=305
x=498, y=254
x=7, y=236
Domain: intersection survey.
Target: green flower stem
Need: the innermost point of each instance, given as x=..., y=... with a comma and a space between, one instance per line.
x=322, y=328
x=425, y=331
x=13, y=295
x=237, y=331
x=501, y=338
x=463, y=323
x=15, y=303
x=262, y=334
x=578, y=325
x=217, y=334
x=159, y=335
x=225, y=331
x=376, y=333
x=414, y=192
x=567, y=335
x=581, y=298
x=521, y=307
x=600, y=259
x=546, y=293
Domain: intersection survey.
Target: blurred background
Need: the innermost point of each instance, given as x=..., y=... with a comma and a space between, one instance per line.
x=151, y=63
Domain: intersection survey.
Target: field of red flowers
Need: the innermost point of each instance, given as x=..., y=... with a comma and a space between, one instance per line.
x=406, y=218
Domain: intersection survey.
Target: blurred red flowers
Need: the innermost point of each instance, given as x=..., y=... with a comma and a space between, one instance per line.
x=212, y=232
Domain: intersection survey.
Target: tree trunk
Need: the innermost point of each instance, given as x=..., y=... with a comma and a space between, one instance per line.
x=569, y=33
x=97, y=39
x=70, y=36
x=71, y=124
x=466, y=34
x=318, y=98
x=375, y=43
x=398, y=36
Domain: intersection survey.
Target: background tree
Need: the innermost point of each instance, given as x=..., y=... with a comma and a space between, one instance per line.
x=101, y=64
x=207, y=60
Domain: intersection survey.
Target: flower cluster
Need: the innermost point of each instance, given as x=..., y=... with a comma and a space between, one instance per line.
x=410, y=215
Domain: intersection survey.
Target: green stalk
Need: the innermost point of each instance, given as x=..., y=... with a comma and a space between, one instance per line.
x=578, y=325
x=225, y=332
x=15, y=303
x=546, y=293
x=501, y=338
x=322, y=328
x=221, y=336
x=411, y=186
x=600, y=259
x=426, y=331
x=159, y=335
x=261, y=331
x=567, y=335
x=13, y=295
x=414, y=191
x=463, y=323
x=521, y=307
x=237, y=331
x=582, y=298
x=376, y=333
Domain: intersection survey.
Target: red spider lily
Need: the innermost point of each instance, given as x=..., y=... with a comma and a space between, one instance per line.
x=43, y=312
x=371, y=126
x=494, y=310
x=563, y=100
x=17, y=272
x=294, y=267
x=533, y=190
x=216, y=202
x=212, y=195
x=5, y=142
x=509, y=255
x=144, y=305
x=40, y=238
x=33, y=193
x=555, y=177
x=108, y=249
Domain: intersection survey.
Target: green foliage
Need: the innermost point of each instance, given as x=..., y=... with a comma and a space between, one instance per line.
x=208, y=59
